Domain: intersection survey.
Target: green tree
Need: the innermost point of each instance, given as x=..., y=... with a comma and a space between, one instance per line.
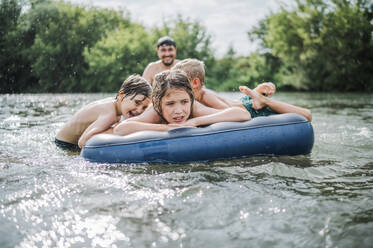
x=15, y=70
x=63, y=31
x=231, y=71
x=324, y=45
x=221, y=76
x=117, y=55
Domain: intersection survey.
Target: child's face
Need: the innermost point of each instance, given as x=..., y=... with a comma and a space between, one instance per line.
x=133, y=107
x=176, y=106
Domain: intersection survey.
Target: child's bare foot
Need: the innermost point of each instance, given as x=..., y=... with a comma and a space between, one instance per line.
x=259, y=101
x=266, y=88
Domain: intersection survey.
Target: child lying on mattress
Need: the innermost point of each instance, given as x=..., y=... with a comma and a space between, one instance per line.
x=254, y=101
x=258, y=101
x=173, y=102
x=97, y=117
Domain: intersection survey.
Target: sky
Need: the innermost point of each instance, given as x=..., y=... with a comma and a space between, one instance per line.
x=226, y=21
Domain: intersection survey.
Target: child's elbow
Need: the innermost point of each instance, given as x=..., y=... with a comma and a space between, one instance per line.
x=116, y=130
x=126, y=127
x=122, y=128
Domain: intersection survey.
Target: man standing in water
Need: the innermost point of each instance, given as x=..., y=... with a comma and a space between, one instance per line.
x=166, y=50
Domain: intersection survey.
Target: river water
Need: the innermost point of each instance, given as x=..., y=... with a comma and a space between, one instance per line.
x=51, y=198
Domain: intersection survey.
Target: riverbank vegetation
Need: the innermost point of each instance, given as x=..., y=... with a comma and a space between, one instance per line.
x=308, y=45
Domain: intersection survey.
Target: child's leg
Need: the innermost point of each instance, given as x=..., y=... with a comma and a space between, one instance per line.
x=267, y=88
x=260, y=101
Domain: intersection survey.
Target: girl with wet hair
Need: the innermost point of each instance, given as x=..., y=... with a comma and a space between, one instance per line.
x=167, y=83
x=173, y=103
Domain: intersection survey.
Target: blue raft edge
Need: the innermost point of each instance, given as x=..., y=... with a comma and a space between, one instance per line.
x=276, y=135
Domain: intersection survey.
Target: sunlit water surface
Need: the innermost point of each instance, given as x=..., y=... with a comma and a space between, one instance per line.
x=51, y=198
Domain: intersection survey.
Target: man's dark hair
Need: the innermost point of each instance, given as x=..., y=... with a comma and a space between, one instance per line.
x=165, y=40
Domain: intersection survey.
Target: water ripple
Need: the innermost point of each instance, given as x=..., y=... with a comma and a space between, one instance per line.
x=53, y=198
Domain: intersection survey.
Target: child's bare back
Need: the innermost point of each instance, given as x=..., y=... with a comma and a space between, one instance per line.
x=81, y=120
x=132, y=99
x=211, y=99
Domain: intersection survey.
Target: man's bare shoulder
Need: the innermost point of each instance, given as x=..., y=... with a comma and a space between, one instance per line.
x=152, y=69
x=156, y=65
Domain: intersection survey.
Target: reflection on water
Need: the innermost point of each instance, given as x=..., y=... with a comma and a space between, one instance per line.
x=50, y=198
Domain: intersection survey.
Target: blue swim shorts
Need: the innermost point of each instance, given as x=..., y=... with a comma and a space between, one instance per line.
x=67, y=146
x=247, y=101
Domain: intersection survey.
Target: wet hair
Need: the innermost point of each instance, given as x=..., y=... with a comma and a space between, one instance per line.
x=193, y=68
x=135, y=85
x=170, y=79
x=165, y=40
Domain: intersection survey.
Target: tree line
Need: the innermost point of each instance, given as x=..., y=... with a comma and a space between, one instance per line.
x=310, y=45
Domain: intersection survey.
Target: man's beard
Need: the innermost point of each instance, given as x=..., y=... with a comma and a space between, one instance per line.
x=167, y=64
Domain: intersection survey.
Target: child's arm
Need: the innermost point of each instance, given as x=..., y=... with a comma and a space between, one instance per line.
x=207, y=116
x=100, y=125
x=146, y=121
x=149, y=116
x=128, y=127
x=281, y=107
